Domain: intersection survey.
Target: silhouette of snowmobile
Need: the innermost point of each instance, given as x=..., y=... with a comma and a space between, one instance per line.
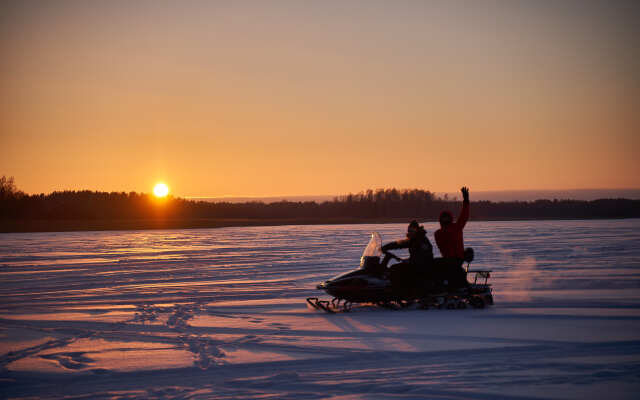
x=371, y=283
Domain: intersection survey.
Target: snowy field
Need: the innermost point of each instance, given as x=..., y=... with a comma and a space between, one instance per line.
x=220, y=313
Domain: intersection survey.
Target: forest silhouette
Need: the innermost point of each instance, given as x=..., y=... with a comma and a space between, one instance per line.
x=80, y=210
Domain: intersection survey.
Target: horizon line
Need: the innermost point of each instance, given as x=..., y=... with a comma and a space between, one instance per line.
x=480, y=195
x=400, y=189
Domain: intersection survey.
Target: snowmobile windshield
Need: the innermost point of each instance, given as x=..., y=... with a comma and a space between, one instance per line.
x=373, y=249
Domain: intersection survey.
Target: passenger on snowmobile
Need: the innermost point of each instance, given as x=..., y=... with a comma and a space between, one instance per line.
x=450, y=242
x=420, y=256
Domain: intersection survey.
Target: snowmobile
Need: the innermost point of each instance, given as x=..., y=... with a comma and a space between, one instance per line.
x=371, y=283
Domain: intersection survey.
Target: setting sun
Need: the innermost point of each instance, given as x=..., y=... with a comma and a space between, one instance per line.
x=161, y=190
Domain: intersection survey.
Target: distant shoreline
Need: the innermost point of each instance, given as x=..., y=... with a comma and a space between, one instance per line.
x=94, y=211
x=71, y=225
x=478, y=195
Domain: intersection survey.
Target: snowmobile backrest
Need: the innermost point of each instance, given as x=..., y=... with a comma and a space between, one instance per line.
x=468, y=254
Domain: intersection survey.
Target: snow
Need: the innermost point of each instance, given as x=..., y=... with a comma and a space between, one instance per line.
x=220, y=313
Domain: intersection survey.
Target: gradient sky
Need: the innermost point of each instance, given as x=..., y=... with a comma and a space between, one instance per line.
x=269, y=98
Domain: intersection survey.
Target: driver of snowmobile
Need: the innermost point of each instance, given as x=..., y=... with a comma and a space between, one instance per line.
x=420, y=249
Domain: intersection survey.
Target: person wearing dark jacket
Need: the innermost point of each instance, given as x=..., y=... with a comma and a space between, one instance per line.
x=420, y=248
x=420, y=256
x=450, y=241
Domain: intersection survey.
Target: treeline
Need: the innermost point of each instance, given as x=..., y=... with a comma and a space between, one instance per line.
x=378, y=204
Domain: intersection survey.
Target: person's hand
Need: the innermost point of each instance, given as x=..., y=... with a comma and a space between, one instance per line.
x=465, y=193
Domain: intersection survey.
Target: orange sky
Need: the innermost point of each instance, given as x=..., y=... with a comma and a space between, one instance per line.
x=329, y=97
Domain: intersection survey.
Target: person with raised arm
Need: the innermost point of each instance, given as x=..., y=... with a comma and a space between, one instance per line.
x=450, y=241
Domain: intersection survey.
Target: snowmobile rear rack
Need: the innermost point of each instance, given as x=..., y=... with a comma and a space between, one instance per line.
x=486, y=274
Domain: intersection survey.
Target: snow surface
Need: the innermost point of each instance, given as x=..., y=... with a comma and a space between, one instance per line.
x=220, y=313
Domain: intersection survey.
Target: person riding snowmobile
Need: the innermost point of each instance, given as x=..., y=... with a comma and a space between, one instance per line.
x=450, y=242
x=420, y=248
x=420, y=256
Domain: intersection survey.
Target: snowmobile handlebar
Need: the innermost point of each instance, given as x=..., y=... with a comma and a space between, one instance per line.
x=390, y=254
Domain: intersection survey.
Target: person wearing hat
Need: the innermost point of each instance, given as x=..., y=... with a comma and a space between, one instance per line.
x=420, y=255
x=420, y=248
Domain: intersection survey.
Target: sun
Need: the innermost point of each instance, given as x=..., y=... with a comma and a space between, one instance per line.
x=161, y=190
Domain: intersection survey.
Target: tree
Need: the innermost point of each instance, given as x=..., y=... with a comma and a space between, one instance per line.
x=8, y=188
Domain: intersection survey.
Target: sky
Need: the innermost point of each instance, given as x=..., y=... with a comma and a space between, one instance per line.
x=271, y=98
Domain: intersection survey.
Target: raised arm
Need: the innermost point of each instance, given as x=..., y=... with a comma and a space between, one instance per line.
x=464, y=213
